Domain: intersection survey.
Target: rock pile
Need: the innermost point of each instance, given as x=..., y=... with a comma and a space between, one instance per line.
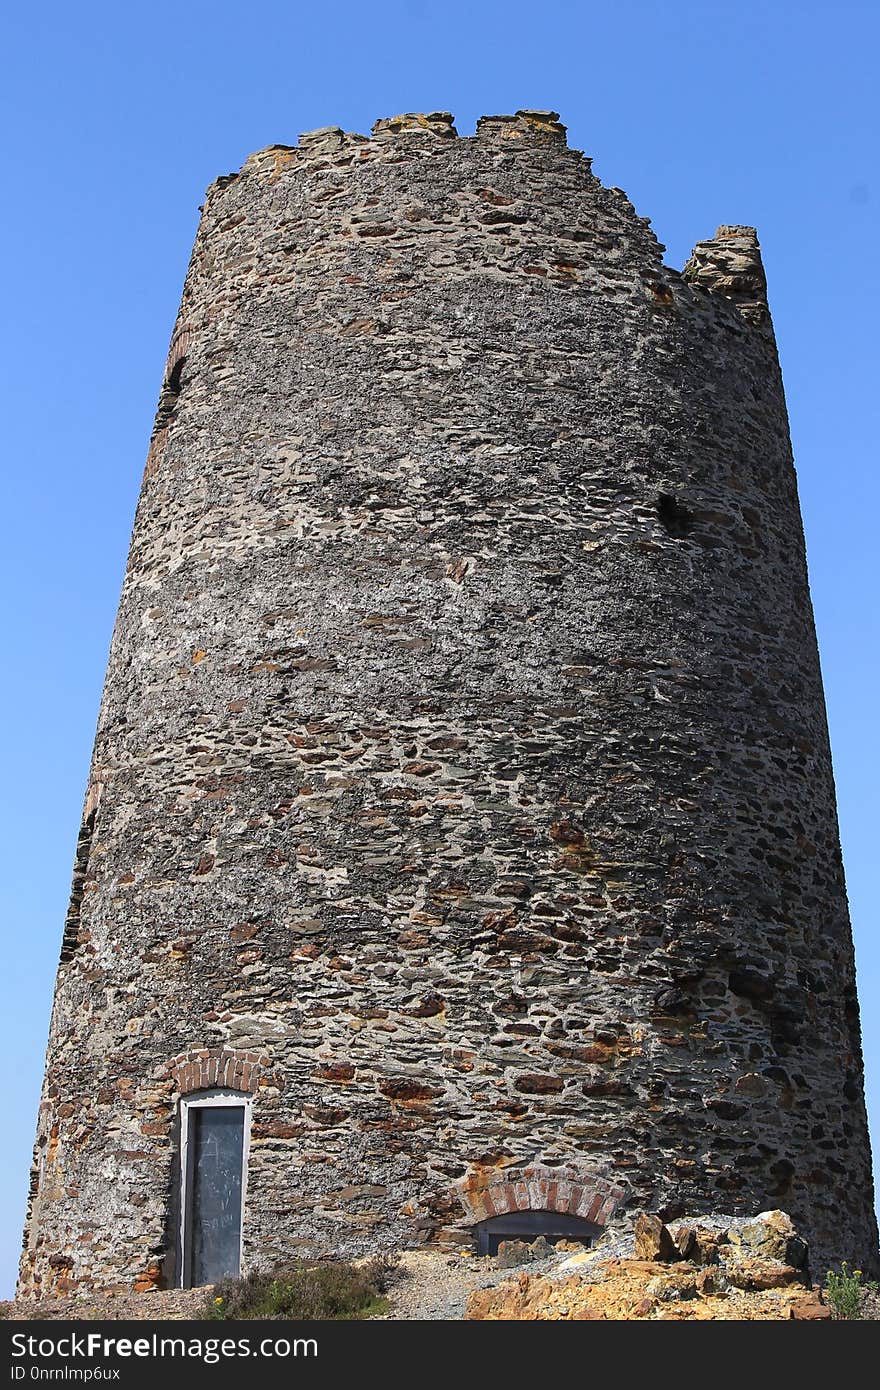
x=708, y=1268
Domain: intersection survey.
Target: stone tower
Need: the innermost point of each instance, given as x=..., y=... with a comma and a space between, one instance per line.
x=460, y=851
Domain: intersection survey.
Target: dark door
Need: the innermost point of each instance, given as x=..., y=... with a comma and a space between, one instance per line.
x=215, y=1153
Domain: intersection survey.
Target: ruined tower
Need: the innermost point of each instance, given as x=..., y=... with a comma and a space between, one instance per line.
x=460, y=850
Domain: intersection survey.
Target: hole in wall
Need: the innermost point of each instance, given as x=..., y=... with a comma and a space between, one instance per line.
x=675, y=517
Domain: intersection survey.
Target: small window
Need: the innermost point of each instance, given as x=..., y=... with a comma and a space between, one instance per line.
x=214, y=1135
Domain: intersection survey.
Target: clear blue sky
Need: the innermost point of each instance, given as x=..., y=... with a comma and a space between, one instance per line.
x=117, y=116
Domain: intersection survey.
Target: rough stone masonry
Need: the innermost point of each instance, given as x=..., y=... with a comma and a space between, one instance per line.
x=462, y=789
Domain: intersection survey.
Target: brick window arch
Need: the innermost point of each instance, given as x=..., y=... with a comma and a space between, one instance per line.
x=570, y=1191
x=172, y=383
x=223, y=1068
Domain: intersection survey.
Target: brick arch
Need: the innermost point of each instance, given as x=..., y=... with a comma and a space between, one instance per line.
x=178, y=350
x=224, y=1068
x=485, y=1193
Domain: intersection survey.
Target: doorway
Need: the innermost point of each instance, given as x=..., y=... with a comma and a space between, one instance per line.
x=214, y=1140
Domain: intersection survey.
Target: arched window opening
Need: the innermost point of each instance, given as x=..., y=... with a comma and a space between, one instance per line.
x=172, y=389
x=175, y=377
x=214, y=1141
x=528, y=1225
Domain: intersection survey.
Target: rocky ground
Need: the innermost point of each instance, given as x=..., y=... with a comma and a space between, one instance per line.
x=708, y=1268
x=718, y=1268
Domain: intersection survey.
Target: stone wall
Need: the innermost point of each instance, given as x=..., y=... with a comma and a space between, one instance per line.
x=462, y=787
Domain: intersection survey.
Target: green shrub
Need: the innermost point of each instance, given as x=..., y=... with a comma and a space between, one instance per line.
x=844, y=1291
x=305, y=1293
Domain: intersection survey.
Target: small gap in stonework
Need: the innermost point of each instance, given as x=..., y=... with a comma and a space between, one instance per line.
x=676, y=518
x=70, y=939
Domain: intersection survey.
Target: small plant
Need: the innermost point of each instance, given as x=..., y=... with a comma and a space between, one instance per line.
x=305, y=1293
x=383, y=1271
x=844, y=1291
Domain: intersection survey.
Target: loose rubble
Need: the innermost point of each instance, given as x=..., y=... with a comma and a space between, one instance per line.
x=717, y=1268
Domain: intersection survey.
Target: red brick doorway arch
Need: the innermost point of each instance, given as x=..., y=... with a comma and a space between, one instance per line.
x=568, y=1190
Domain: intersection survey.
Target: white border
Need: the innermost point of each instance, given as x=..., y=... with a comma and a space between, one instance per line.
x=202, y=1100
